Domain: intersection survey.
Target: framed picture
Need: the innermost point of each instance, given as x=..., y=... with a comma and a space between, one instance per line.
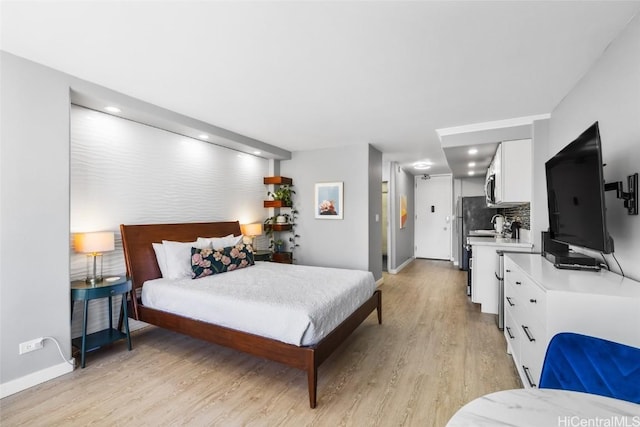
x=403, y=210
x=329, y=200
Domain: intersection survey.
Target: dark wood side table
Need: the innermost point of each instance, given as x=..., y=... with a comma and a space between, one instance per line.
x=108, y=288
x=262, y=255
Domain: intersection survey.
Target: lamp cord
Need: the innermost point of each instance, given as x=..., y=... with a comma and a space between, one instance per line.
x=69, y=361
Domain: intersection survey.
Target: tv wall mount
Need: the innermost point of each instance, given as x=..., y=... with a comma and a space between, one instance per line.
x=631, y=197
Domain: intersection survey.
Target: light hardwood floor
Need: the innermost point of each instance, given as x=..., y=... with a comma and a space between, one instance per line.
x=433, y=353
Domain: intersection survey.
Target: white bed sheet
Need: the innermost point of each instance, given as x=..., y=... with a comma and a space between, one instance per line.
x=295, y=304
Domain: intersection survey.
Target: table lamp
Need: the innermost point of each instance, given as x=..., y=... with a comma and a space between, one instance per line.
x=251, y=231
x=93, y=244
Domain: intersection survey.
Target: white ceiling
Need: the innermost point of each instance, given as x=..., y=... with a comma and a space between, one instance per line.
x=309, y=74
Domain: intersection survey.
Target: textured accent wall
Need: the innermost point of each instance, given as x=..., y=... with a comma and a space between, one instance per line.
x=126, y=172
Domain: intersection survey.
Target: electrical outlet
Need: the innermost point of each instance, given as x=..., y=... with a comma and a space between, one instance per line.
x=32, y=345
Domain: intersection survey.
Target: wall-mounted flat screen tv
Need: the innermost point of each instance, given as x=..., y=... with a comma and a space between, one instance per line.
x=575, y=193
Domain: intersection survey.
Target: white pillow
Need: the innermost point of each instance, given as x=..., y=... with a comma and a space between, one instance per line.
x=219, y=242
x=178, y=258
x=161, y=258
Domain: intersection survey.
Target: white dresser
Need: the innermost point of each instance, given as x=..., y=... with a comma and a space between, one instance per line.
x=541, y=301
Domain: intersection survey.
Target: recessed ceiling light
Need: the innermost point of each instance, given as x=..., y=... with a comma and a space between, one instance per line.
x=112, y=109
x=473, y=151
x=471, y=173
x=421, y=165
x=472, y=164
x=203, y=136
x=257, y=153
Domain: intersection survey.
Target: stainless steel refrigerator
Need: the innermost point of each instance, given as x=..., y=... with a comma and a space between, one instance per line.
x=472, y=214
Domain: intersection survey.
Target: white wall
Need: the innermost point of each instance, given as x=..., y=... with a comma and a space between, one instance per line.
x=339, y=243
x=34, y=221
x=610, y=94
x=539, y=213
x=470, y=187
x=401, y=183
x=375, y=212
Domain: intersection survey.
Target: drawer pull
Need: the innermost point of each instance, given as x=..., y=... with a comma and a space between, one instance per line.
x=518, y=283
x=526, y=331
x=508, y=329
x=528, y=375
x=533, y=301
x=509, y=301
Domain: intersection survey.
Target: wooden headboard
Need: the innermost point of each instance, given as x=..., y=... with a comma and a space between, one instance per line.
x=139, y=255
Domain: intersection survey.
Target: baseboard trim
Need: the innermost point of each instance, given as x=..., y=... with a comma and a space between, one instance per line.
x=30, y=380
x=401, y=266
x=379, y=282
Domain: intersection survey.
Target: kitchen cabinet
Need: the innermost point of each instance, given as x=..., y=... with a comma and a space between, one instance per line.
x=484, y=284
x=511, y=167
x=541, y=301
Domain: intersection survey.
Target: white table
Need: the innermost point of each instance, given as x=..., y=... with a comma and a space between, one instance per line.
x=545, y=407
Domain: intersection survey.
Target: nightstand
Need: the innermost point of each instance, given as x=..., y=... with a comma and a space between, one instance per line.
x=262, y=255
x=108, y=288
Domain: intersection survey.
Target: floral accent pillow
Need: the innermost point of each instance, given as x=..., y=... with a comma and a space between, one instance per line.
x=207, y=261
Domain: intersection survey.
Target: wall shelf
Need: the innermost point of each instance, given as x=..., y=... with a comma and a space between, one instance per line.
x=275, y=228
x=278, y=227
x=278, y=180
x=276, y=204
x=282, y=257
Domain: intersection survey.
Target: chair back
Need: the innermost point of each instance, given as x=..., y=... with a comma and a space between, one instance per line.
x=592, y=365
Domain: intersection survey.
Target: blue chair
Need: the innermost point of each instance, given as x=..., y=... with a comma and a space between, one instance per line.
x=592, y=365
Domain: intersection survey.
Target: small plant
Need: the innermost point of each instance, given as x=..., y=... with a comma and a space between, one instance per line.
x=282, y=193
x=277, y=245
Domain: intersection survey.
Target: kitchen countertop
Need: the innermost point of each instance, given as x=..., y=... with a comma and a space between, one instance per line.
x=499, y=241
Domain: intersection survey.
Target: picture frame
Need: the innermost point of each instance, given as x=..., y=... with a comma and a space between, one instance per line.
x=403, y=211
x=329, y=200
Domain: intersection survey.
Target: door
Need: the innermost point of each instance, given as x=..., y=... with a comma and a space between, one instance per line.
x=433, y=217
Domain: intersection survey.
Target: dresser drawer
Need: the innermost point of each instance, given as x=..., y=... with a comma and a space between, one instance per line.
x=512, y=274
x=511, y=333
x=534, y=298
x=531, y=358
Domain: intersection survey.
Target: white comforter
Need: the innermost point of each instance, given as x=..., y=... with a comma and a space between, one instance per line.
x=295, y=304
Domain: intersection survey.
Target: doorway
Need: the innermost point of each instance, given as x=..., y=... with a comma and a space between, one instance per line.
x=433, y=216
x=385, y=225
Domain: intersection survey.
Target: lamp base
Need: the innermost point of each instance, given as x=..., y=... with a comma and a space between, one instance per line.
x=94, y=270
x=93, y=280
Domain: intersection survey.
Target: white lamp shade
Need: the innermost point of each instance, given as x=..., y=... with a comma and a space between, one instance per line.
x=101, y=241
x=251, y=229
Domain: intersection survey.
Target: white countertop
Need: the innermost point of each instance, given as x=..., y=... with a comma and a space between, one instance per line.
x=545, y=407
x=499, y=241
x=602, y=282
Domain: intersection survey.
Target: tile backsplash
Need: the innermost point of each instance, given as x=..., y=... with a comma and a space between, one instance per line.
x=520, y=213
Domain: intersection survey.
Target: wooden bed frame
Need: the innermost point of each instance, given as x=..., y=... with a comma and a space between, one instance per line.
x=142, y=266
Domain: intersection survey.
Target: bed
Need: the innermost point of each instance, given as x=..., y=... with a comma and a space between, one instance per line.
x=142, y=267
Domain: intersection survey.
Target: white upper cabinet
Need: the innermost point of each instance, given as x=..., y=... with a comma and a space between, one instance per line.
x=512, y=170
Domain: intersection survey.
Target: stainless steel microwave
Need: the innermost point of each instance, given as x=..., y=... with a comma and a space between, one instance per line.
x=490, y=189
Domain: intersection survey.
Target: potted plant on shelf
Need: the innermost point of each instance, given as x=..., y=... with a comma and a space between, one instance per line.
x=282, y=193
x=278, y=245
